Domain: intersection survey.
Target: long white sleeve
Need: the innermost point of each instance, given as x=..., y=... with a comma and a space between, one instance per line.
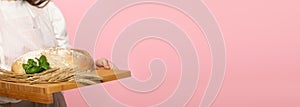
x=2, y=57
x=59, y=25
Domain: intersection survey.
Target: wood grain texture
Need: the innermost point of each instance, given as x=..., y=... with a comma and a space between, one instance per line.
x=43, y=93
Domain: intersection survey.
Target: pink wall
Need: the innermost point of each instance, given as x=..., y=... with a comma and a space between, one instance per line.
x=262, y=39
x=262, y=42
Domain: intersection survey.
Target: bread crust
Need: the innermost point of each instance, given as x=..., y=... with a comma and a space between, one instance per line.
x=79, y=60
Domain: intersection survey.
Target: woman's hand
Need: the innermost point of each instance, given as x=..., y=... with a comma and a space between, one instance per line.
x=105, y=64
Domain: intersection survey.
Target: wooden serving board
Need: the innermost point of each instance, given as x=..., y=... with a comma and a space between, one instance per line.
x=43, y=93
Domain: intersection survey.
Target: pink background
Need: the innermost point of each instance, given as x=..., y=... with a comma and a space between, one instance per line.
x=262, y=41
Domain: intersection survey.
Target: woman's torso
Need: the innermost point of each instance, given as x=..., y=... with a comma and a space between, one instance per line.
x=23, y=28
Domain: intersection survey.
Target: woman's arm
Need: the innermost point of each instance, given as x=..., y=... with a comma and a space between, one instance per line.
x=59, y=25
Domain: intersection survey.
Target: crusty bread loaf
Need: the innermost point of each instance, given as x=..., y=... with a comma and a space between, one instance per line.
x=80, y=60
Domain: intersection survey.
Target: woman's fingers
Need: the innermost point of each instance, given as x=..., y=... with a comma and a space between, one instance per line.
x=104, y=63
x=100, y=63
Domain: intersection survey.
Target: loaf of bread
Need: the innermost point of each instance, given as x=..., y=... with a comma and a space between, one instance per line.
x=77, y=59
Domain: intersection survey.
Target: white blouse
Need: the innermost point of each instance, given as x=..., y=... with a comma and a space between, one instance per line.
x=25, y=28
